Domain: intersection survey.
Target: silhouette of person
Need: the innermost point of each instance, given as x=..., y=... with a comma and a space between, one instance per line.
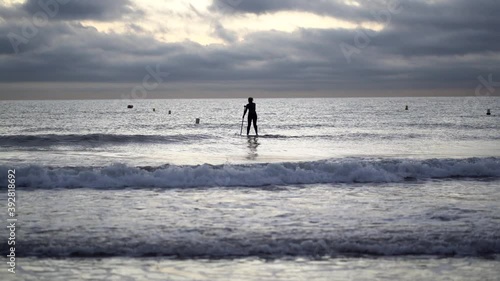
x=252, y=116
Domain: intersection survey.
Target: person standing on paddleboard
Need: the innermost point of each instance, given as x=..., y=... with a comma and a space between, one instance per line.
x=252, y=116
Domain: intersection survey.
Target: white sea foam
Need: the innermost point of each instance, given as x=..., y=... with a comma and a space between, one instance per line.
x=350, y=170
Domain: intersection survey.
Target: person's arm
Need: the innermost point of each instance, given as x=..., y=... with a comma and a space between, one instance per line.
x=245, y=112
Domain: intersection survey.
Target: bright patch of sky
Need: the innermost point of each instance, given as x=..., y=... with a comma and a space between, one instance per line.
x=180, y=20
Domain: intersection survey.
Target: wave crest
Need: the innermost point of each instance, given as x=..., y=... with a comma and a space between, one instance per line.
x=350, y=170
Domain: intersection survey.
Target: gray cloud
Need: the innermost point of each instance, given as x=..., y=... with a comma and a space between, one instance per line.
x=222, y=33
x=336, y=8
x=101, y=10
x=417, y=28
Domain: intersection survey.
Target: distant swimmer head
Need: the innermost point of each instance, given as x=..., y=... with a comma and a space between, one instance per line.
x=250, y=100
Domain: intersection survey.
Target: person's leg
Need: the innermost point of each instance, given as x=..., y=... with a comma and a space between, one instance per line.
x=249, y=121
x=255, y=125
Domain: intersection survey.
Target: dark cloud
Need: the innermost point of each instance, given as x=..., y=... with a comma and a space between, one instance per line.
x=10, y=13
x=410, y=27
x=220, y=32
x=337, y=8
x=438, y=46
x=100, y=10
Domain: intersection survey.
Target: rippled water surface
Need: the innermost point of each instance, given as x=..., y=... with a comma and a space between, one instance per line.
x=332, y=189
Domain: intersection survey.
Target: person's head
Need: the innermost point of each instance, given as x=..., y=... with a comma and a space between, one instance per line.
x=250, y=100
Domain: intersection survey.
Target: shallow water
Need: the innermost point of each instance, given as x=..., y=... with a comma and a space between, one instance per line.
x=441, y=218
x=408, y=268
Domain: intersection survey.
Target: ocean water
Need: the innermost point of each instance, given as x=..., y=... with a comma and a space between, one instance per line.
x=332, y=189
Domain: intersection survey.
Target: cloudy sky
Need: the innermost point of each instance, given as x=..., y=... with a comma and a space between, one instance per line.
x=234, y=48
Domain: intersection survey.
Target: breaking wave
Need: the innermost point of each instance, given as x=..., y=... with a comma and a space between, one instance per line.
x=345, y=170
x=193, y=246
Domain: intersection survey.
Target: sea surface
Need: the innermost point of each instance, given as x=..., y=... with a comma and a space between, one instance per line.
x=331, y=189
